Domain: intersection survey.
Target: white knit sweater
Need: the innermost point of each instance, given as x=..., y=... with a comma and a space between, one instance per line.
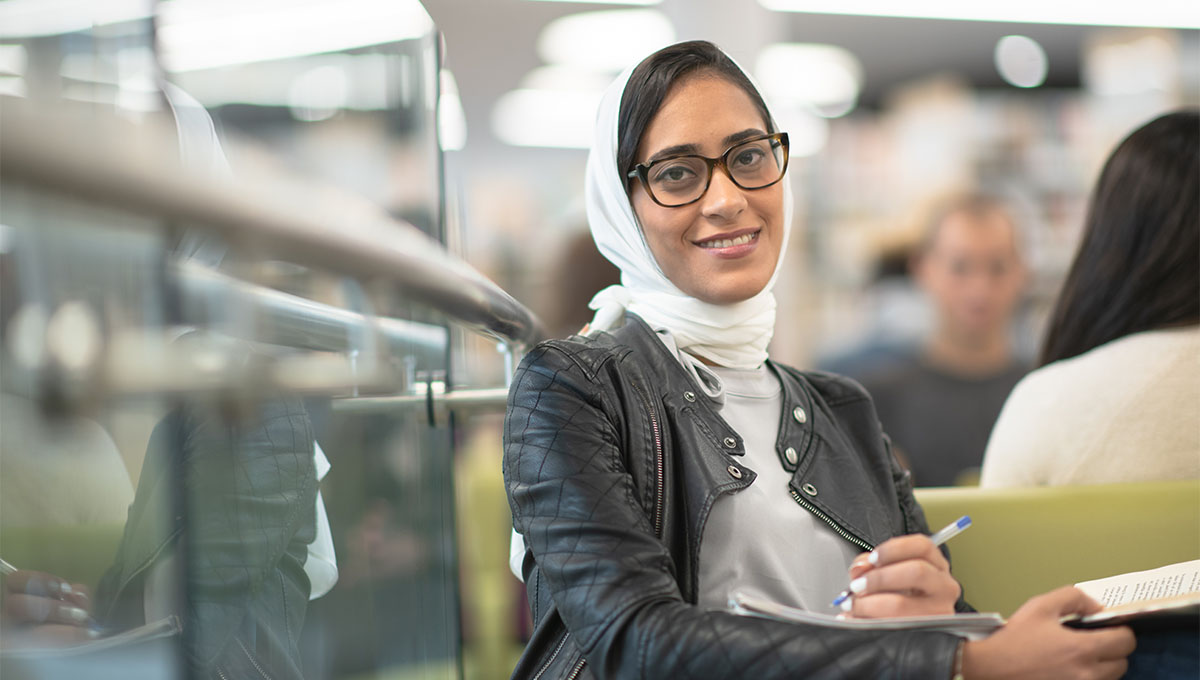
x=1126, y=411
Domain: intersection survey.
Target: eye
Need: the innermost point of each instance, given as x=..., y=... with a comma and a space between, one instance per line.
x=672, y=173
x=748, y=157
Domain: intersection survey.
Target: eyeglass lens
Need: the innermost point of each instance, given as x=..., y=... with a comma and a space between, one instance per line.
x=752, y=165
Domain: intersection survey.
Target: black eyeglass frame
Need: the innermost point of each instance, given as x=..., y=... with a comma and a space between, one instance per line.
x=641, y=171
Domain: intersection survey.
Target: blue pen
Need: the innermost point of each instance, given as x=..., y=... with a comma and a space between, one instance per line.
x=950, y=531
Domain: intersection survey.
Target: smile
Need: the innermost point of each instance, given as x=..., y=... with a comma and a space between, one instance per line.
x=729, y=242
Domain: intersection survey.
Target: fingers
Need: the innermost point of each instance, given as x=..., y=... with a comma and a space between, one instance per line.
x=39, y=598
x=911, y=577
x=1110, y=644
x=895, y=604
x=38, y=610
x=37, y=583
x=910, y=588
x=1064, y=601
x=910, y=547
x=1111, y=670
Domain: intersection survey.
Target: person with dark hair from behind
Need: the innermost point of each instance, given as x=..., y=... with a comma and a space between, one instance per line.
x=938, y=401
x=1118, y=393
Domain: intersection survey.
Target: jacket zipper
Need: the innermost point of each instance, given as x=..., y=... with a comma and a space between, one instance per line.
x=252, y=661
x=658, y=463
x=658, y=512
x=553, y=656
x=834, y=525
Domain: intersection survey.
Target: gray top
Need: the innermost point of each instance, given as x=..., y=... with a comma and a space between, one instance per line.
x=939, y=421
x=793, y=558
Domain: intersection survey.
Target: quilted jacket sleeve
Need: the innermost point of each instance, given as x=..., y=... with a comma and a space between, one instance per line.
x=611, y=578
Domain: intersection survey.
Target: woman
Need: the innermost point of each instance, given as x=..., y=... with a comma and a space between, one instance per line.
x=1119, y=368
x=656, y=466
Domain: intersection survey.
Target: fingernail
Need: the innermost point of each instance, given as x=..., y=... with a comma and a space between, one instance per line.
x=847, y=605
x=73, y=613
x=65, y=588
x=873, y=557
x=858, y=585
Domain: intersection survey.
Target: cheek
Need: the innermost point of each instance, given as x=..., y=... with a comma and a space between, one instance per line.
x=662, y=227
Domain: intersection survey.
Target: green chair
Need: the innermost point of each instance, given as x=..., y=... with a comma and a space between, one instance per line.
x=79, y=554
x=1026, y=541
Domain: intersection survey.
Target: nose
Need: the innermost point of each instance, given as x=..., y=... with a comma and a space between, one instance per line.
x=724, y=199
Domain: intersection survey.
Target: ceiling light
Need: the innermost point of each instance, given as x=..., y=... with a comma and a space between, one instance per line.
x=13, y=59
x=807, y=133
x=31, y=18
x=825, y=77
x=1164, y=13
x=204, y=34
x=318, y=94
x=552, y=118
x=1146, y=63
x=608, y=40
x=274, y=83
x=452, y=120
x=13, y=86
x=1021, y=61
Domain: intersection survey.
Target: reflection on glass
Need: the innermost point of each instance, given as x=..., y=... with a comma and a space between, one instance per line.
x=178, y=495
x=249, y=488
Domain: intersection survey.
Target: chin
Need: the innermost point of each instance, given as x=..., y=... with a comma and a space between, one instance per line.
x=729, y=296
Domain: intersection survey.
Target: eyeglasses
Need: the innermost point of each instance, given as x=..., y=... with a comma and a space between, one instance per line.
x=679, y=180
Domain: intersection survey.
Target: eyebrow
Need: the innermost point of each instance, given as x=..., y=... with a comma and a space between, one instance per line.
x=694, y=149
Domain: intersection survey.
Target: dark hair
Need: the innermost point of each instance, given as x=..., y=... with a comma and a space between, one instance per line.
x=652, y=80
x=974, y=205
x=1136, y=269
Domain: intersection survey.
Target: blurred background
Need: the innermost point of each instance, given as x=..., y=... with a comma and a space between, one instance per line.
x=213, y=213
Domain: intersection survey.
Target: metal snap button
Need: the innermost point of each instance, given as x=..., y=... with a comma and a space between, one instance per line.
x=689, y=396
x=730, y=443
x=734, y=471
x=809, y=489
x=799, y=414
x=790, y=454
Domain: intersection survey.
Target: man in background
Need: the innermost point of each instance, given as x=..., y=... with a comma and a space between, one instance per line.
x=939, y=400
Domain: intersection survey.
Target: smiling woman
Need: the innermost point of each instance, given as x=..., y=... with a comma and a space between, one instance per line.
x=661, y=463
x=719, y=243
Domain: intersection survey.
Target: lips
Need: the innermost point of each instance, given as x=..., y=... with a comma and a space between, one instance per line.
x=730, y=240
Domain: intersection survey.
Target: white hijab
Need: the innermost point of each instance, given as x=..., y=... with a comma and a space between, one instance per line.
x=734, y=335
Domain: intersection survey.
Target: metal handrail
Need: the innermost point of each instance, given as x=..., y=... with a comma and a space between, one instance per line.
x=433, y=400
x=111, y=161
x=298, y=322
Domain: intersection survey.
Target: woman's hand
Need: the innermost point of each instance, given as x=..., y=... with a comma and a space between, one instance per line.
x=42, y=608
x=903, y=576
x=1034, y=645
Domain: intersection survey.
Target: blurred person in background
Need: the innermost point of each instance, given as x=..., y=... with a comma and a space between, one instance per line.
x=939, y=400
x=661, y=462
x=579, y=271
x=1118, y=392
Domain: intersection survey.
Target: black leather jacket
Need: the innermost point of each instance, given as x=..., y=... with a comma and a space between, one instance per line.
x=612, y=460
x=247, y=517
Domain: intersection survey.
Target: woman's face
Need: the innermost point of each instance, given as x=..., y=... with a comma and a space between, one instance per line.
x=723, y=248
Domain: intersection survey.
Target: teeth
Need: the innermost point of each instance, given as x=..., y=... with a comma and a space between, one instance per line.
x=729, y=242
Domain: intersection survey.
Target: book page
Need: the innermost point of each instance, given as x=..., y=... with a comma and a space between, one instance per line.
x=1169, y=581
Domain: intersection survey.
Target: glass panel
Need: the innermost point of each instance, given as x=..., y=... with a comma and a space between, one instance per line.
x=174, y=439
